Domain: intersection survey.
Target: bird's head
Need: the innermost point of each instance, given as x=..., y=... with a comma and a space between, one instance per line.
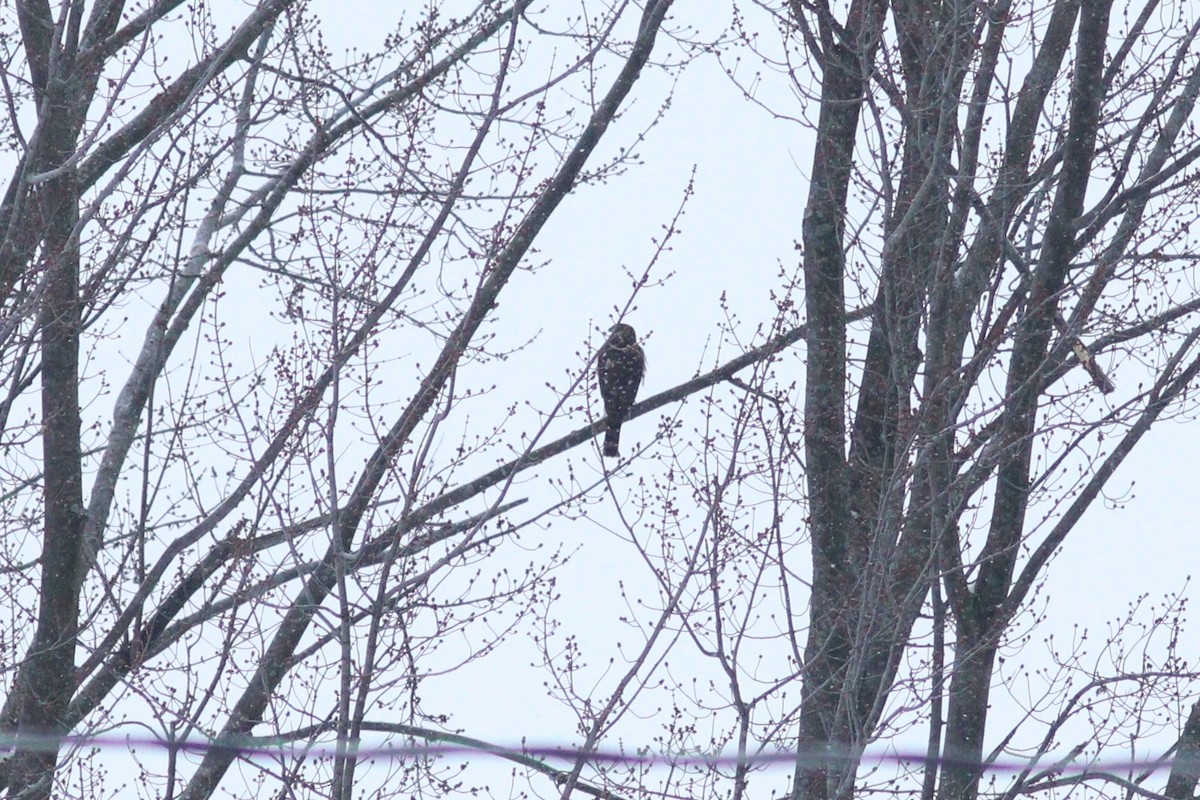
x=622, y=335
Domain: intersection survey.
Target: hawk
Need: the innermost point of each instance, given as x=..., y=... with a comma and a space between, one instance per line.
x=620, y=367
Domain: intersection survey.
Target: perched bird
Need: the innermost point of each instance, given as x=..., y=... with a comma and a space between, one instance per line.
x=620, y=367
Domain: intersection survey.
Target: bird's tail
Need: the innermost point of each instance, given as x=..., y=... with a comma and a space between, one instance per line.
x=612, y=442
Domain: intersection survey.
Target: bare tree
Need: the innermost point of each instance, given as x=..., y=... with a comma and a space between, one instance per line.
x=1004, y=191
x=381, y=204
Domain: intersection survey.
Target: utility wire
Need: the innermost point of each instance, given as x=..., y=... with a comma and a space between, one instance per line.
x=814, y=757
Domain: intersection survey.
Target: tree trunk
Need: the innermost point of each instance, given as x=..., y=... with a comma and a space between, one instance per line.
x=46, y=679
x=836, y=547
x=981, y=622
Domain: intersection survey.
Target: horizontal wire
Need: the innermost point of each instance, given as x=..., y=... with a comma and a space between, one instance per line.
x=814, y=757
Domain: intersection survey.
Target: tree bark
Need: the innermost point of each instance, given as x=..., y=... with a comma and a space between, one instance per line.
x=848, y=53
x=1181, y=783
x=46, y=678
